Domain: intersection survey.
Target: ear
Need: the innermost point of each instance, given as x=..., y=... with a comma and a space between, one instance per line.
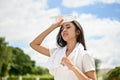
x=77, y=32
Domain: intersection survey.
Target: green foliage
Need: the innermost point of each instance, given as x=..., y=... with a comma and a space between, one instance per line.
x=39, y=76
x=113, y=74
x=21, y=63
x=40, y=71
x=3, y=51
x=5, y=54
x=42, y=77
x=13, y=61
x=4, y=69
x=32, y=77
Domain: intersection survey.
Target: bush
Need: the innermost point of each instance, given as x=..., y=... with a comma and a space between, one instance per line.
x=4, y=69
x=30, y=78
x=113, y=74
x=10, y=78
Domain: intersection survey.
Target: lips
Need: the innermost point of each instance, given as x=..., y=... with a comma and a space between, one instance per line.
x=65, y=34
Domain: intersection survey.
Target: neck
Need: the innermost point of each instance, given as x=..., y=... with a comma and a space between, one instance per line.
x=70, y=46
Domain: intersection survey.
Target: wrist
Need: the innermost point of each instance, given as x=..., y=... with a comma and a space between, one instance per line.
x=72, y=67
x=54, y=26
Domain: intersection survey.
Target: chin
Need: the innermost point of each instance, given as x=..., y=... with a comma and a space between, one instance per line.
x=65, y=39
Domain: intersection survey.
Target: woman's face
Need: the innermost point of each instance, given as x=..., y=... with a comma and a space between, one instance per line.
x=68, y=31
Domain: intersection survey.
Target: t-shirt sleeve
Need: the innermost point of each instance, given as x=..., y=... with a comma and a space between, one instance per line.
x=52, y=50
x=88, y=62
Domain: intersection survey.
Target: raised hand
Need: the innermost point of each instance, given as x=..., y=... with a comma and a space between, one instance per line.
x=66, y=61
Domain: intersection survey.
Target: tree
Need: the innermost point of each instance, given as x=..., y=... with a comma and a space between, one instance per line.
x=5, y=56
x=113, y=74
x=40, y=70
x=14, y=60
x=21, y=63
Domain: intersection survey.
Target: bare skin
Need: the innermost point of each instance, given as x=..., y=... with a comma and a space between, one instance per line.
x=69, y=35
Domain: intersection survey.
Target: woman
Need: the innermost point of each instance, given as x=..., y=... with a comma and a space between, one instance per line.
x=69, y=61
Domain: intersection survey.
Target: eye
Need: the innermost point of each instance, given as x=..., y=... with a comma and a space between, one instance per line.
x=68, y=27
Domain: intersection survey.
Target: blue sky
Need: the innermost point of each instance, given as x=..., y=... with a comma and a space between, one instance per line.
x=101, y=10
x=21, y=21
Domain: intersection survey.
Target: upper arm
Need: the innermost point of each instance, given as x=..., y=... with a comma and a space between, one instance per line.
x=41, y=49
x=89, y=66
x=88, y=63
x=91, y=75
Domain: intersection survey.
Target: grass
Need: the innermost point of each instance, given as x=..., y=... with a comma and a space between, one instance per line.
x=34, y=76
x=39, y=76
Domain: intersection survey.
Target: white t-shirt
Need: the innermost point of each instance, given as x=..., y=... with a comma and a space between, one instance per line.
x=80, y=58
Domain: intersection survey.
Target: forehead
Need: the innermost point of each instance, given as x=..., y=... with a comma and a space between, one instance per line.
x=66, y=24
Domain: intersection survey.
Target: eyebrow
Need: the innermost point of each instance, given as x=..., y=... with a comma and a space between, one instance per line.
x=67, y=24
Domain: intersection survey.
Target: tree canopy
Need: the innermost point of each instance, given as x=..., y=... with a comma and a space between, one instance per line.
x=13, y=60
x=113, y=74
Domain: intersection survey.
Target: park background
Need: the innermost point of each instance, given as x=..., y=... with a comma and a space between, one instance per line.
x=22, y=20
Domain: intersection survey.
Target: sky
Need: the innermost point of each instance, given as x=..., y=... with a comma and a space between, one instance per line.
x=22, y=20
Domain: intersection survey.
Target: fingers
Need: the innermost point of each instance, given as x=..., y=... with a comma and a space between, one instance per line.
x=63, y=61
x=60, y=22
x=66, y=61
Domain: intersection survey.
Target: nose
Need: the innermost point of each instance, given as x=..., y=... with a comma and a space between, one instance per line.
x=64, y=30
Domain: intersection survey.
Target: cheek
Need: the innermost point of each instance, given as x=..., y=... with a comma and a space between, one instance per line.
x=72, y=32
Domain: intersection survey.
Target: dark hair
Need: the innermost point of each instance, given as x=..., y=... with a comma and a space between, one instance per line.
x=80, y=37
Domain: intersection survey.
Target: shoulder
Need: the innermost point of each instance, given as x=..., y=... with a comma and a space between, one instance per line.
x=80, y=46
x=55, y=49
x=87, y=54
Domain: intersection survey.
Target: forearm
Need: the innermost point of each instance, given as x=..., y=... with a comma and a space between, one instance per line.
x=79, y=74
x=38, y=40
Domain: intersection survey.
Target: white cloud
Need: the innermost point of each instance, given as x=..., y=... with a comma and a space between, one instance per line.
x=109, y=1
x=80, y=3
x=77, y=3
x=20, y=20
x=107, y=47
